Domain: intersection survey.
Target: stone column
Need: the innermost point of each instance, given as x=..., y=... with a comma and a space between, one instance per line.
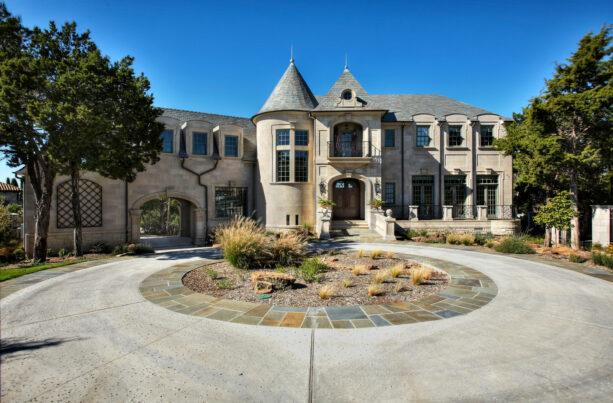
x=414, y=213
x=324, y=230
x=200, y=225
x=447, y=213
x=390, y=227
x=135, y=225
x=481, y=212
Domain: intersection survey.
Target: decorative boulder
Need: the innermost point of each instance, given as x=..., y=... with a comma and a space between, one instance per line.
x=265, y=282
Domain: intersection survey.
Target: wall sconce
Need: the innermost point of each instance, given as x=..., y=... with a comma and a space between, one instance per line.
x=377, y=187
x=322, y=186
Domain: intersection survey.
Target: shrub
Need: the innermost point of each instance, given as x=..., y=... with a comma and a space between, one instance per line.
x=140, y=249
x=380, y=277
x=288, y=248
x=242, y=241
x=347, y=282
x=100, y=247
x=395, y=271
x=489, y=244
x=514, y=244
x=597, y=246
x=212, y=274
x=312, y=270
x=602, y=259
x=325, y=292
x=119, y=249
x=374, y=290
x=5, y=225
x=281, y=269
x=410, y=234
x=423, y=232
x=576, y=258
x=479, y=240
x=225, y=283
x=14, y=208
x=360, y=269
x=361, y=253
x=400, y=286
x=420, y=274
x=454, y=238
x=19, y=253
x=62, y=253
x=375, y=253
x=467, y=239
x=389, y=255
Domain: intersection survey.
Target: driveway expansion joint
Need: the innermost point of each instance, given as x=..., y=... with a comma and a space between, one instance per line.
x=467, y=291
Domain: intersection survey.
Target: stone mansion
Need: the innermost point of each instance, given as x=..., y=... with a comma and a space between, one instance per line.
x=428, y=157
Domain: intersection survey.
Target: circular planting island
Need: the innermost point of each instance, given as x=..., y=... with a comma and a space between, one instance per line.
x=332, y=279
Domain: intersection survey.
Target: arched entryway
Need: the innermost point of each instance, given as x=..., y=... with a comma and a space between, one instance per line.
x=347, y=194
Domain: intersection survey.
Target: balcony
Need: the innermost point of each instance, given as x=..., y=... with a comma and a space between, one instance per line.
x=350, y=153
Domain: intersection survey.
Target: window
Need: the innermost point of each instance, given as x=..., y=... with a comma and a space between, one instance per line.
x=231, y=146
x=455, y=189
x=230, y=201
x=301, y=166
x=455, y=136
x=282, y=137
x=292, y=151
x=347, y=95
x=487, y=193
x=390, y=193
x=166, y=137
x=390, y=138
x=199, y=143
x=423, y=196
x=302, y=138
x=283, y=166
x=487, y=136
x=423, y=136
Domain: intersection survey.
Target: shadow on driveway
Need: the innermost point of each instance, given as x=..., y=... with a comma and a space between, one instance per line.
x=15, y=347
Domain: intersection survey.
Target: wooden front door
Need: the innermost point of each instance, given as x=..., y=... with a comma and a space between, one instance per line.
x=347, y=196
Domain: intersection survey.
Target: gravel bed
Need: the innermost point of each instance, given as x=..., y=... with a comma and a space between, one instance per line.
x=306, y=294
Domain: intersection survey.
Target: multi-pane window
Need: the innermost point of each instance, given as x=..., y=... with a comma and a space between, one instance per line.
x=390, y=193
x=166, y=137
x=455, y=189
x=487, y=136
x=231, y=146
x=199, y=143
x=301, y=166
x=282, y=137
x=423, y=190
x=283, y=166
x=423, y=136
x=292, y=155
x=455, y=136
x=487, y=193
x=390, y=138
x=230, y=201
x=301, y=138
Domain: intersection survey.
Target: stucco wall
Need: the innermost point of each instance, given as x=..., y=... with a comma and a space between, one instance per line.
x=601, y=222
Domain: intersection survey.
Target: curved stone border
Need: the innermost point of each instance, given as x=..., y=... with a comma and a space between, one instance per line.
x=468, y=290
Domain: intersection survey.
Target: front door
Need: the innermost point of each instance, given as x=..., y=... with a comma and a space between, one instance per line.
x=346, y=194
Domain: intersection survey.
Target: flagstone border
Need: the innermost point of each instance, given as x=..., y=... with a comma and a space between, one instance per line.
x=468, y=290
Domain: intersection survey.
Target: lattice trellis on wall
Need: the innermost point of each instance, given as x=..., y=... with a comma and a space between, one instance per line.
x=90, y=200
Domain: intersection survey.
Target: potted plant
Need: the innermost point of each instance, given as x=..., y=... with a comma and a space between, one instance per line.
x=325, y=203
x=376, y=203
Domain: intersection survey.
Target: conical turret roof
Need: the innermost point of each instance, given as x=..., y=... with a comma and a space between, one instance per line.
x=291, y=93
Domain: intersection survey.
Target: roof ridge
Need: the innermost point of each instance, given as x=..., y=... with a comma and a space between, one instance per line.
x=204, y=113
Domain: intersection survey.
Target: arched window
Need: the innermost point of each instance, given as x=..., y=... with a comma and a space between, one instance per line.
x=90, y=199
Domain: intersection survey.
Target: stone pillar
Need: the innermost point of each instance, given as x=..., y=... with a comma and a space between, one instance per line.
x=324, y=230
x=447, y=213
x=414, y=213
x=200, y=225
x=481, y=212
x=390, y=227
x=135, y=225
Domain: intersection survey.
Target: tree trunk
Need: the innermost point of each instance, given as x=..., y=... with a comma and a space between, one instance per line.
x=41, y=176
x=574, y=197
x=547, y=242
x=76, y=212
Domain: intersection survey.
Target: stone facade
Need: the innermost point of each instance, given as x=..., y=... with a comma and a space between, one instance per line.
x=602, y=220
x=428, y=157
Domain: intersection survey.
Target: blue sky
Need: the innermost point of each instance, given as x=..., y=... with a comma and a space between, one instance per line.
x=226, y=57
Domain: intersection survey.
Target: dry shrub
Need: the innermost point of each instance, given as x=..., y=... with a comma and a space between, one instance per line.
x=381, y=277
x=360, y=269
x=325, y=292
x=375, y=253
x=361, y=253
x=287, y=248
x=400, y=286
x=420, y=274
x=397, y=270
x=242, y=241
x=390, y=255
x=374, y=290
x=467, y=239
x=454, y=238
x=347, y=282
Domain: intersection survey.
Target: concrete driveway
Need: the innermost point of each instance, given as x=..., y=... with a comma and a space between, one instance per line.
x=90, y=335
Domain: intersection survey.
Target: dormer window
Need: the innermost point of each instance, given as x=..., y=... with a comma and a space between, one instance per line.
x=347, y=95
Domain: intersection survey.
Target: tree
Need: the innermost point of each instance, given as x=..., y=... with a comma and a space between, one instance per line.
x=557, y=213
x=14, y=182
x=573, y=117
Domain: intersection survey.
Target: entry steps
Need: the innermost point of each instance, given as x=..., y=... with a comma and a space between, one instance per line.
x=351, y=228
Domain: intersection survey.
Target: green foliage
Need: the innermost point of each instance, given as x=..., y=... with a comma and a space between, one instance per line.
x=325, y=203
x=120, y=249
x=602, y=259
x=514, y=244
x=557, y=213
x=376, y=203
x=226, y=283
x=14, y=208
x=212, y=274
x=576, y=258
x=410, y=234
x=5, y=225
x=7, y=274
x=63, y=253
x=100, y=247
x=423, y=232
x=597, y=246
x=312, y=270
x=489, y=244
x=243, y=242
x=161, y=216
x=479, y=240
x=281, y=269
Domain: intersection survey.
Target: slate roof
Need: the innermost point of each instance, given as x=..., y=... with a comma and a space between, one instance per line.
x=291, y=93
x=5, y=187
x=216, y=120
